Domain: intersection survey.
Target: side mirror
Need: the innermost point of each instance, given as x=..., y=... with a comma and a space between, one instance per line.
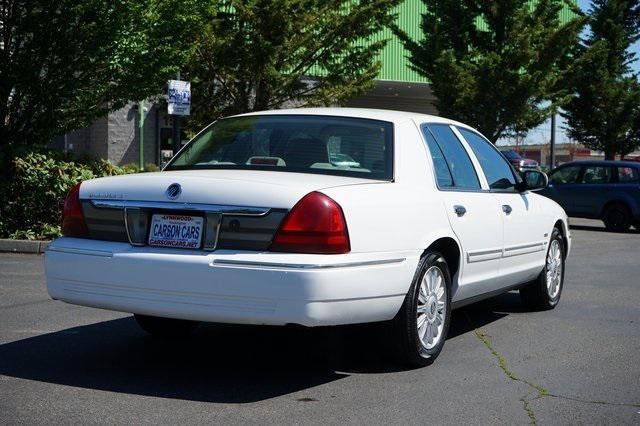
x=533, y=180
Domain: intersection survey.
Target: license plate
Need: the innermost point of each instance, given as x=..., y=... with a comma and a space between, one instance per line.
x=169, y=230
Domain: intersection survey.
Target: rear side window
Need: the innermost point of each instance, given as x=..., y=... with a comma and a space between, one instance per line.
x=452, y=164
x=596, y=174
x=511, y=155
x=293, y=143
x=628, y=174
x=496, y=169
x=565, y=175
x=443, y=175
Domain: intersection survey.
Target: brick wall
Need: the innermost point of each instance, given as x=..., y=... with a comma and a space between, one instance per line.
x=123, y=135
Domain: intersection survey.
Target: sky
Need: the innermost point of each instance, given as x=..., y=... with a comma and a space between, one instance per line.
x=542, y=133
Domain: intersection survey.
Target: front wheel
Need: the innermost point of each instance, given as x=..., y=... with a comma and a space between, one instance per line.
x=422, y=324
x=165, y=327
x=544, y=293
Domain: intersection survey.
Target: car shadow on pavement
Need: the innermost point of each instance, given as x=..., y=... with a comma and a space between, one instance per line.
x=220, y=363
x=601, y=229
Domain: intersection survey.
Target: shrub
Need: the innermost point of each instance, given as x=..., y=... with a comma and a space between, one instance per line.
x=32, y=202
x=130, y=168
x=151, y=167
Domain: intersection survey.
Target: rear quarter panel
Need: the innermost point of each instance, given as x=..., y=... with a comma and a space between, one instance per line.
x=629, y=193
x=404, y=215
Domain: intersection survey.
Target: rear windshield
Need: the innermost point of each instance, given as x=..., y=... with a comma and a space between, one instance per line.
x=293, y=143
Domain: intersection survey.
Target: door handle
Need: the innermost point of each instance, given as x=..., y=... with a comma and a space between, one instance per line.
x=460, y=210
x=507, y=208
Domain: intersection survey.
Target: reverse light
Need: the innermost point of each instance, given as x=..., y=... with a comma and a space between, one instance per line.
x=73, y=224
x=316, y=224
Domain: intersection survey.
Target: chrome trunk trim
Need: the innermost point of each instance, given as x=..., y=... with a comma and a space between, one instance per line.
x=164, y=205
x=209, y=210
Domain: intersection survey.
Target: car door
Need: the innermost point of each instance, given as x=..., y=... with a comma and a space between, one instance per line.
x=562, y=184
x=474, y=214
x=628, y=188
x=593, y=190
x=525, y=233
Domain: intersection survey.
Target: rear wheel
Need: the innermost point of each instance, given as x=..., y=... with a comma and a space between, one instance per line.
x=165, y=327
x=617, y=218
x=544, y=292
x=422, y=324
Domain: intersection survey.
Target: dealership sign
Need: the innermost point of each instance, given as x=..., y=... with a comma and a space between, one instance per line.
x=179, y=97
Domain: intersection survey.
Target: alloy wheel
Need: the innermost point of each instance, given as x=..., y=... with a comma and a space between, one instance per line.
x=554, y=269
x=431, y=308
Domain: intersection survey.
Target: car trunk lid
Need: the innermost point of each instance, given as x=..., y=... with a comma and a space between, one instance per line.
x=240, y=209
x=223, y=187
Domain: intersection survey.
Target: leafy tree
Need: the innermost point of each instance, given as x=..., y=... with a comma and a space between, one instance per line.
x=604, y=111
x=494, y=64
x=65, y=63
x=260, y=54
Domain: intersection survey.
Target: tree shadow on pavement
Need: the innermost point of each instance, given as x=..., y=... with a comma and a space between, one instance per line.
x=220, y=363
x=596, y=228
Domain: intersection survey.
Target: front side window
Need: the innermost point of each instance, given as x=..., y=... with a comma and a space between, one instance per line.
x=452, y=164
x=496, y=169
x=565, y=175
x=596, y=174
x=293, y=143
x=628, y=174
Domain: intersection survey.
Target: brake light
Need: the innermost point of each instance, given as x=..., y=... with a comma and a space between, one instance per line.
x=315, y=224
x=73, y=224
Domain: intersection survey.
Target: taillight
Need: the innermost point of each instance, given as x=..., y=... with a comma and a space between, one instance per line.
x=315, y=224
x=73, y=224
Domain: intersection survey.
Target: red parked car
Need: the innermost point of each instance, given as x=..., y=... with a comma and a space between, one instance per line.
x=519, y=163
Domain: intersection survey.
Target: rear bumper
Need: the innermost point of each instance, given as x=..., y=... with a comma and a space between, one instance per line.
x=230, y=286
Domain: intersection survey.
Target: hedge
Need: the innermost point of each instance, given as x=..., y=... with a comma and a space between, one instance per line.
x=32, y=200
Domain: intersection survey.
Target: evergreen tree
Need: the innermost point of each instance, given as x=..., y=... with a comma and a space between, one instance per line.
x=604, y=110
x=259, y=54
x=494, y=64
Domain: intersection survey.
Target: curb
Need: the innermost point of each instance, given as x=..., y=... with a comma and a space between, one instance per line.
x=23, y=246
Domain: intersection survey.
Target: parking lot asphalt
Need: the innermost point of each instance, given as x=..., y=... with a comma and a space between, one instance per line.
x=579, y=363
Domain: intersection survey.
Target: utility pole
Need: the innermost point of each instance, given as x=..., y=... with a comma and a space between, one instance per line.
x=176, y=129
x=141, y=135
x=552, y=148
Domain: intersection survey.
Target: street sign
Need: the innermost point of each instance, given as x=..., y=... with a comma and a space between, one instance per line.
x=179, y=97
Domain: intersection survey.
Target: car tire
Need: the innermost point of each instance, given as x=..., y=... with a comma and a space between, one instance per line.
x=166, y=327
x=430, y=292
x=617, y=218
x=544, y=293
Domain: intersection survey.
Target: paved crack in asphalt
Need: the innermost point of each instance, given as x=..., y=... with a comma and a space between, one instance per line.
x=541, y=392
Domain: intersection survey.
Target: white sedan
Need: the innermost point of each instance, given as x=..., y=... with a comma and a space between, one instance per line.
x=314, y=217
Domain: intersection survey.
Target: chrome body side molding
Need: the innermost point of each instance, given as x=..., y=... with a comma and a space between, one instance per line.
x=483, y=255
x=272, y=265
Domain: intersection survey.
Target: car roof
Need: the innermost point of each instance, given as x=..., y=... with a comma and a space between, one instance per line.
x=609, y=163
x=368, y=113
